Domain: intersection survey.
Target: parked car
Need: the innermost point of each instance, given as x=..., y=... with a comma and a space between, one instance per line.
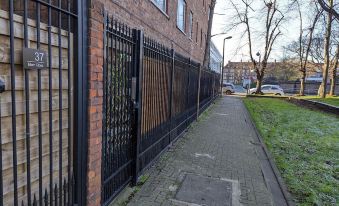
x=228, y=88
x=269, y=89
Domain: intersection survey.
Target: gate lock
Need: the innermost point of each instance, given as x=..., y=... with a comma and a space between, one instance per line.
x=2, y=86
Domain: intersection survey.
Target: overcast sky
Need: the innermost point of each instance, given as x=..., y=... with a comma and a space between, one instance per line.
x=290, y=32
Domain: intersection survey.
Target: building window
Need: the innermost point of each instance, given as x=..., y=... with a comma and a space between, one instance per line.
x=209, y=10
x=197, y=33
x=191, y=25
x=181, y=15
x=201, y=38
x=161, y=4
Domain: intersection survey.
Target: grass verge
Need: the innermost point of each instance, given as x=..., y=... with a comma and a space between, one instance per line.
x=305, y=147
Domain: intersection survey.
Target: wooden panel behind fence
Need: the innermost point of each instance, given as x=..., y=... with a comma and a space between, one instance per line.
x=6, y=107
x=155, y=95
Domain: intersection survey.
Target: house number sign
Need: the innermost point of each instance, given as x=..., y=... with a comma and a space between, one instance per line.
x=34, y=59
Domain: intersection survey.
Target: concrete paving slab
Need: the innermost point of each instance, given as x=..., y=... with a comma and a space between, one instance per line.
x=205, y=191
x=222, y=145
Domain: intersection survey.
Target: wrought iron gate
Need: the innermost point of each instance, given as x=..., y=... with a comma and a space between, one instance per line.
x=117, y=126
x=150, y=98
x=37, y=138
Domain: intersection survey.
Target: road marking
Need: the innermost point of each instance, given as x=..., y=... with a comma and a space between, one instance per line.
x=204, y=155
x=221, y=114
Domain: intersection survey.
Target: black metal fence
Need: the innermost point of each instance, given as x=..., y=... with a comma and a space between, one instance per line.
x=151, y=95
x=36, y=135
x=209, y=88
x=169, y=99
x=117, y=147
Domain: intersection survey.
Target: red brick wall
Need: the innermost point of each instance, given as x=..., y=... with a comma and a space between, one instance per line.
x=144, y=15
x=95, y=74
x=141, y=14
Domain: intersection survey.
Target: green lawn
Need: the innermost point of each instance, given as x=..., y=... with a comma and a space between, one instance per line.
x=329, y=100
x=305, y=146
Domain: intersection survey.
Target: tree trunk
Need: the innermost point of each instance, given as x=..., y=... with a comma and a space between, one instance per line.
x=260, y=76
x=301, y=53
x=332, y=89
x=334, y=72
x=209, y=35
x=304, y=60
x=322, y=88
x=302, y=84
x=259, y=83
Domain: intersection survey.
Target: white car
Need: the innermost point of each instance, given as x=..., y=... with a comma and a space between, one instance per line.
x=269, y=89
x=228, y=88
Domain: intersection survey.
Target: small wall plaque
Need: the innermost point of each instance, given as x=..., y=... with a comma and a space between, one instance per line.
x=34, y=59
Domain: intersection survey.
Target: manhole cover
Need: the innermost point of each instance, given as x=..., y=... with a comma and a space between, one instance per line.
x=205, y=191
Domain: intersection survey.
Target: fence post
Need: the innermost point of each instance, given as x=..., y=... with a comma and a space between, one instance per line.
x=198, y=99
x=188, y=85
x=171, y=95
x=137, y=97
x=213, y=85
x=214, y=75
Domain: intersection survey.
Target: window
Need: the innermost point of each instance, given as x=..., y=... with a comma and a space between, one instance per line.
x=208, y=12
x=201, y=37
x=181, y=15
x=265, y=88
x=276, y=88
x=197, y=33
x=191, y=25
x=161, y=4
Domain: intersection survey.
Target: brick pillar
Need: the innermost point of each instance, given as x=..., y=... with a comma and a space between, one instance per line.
x=95, y=102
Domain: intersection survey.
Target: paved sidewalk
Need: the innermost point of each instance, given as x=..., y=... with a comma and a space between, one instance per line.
x=222, y=146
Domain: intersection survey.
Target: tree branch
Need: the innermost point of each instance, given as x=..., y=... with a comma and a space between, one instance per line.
x=328, y=9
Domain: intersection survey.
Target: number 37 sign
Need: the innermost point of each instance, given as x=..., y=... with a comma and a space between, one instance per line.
x=34, y=59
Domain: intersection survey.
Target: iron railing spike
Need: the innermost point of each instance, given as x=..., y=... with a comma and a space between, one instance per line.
x=34, y=201
x=46, y=197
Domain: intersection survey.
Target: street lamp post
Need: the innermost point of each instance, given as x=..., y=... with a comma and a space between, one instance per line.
x=259, y=55
x=223, y=63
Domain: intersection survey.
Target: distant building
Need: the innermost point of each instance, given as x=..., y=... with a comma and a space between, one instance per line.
x=243, y=72
x=237, y=72
x=215, y=58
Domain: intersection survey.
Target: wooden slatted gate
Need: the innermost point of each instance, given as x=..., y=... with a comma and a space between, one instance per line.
x=37, y=107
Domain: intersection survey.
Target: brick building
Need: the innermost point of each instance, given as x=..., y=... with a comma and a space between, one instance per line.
x=181, y=24
x=55, y=117
x=177, y=24
x=236, y=72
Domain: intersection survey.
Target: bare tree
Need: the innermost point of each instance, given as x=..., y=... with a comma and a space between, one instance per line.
x=272, y=23
x=327, y=39
x=209, y=35
x=305, y=46
x=329, y=8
